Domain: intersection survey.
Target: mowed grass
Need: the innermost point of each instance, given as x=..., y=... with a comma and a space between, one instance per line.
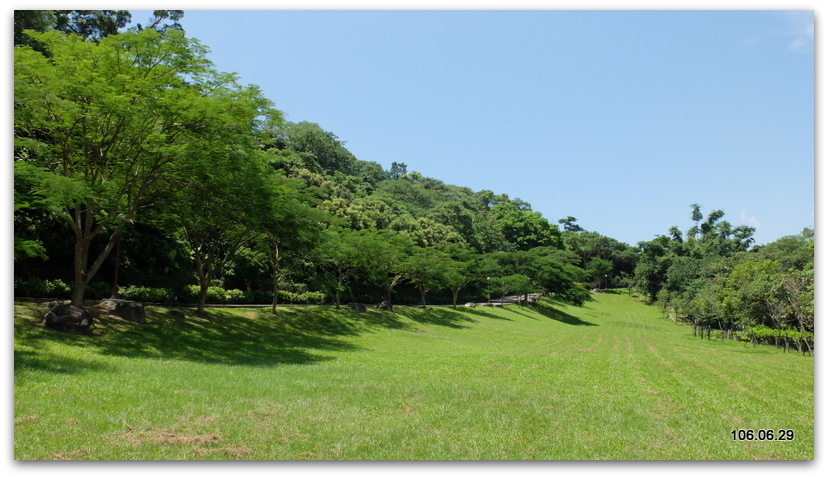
x=612, y=380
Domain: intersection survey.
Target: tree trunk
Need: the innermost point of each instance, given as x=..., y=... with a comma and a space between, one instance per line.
x=78, y=289
x=81, y=255
x=275, y=262
x=454, y=294
x=202, y=295
x=276, y=281
x=114, y=294
x=808, y=345
x=338, y=289
x=83, y=274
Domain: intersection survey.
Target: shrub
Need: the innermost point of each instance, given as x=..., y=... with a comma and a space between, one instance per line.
x=146, y=294
x=97, y=290
x=234, y=296
x=217, y=295
x=188, y=294
x=35, y=287
x=258, y=297
x=576, y=294
x=301, y=297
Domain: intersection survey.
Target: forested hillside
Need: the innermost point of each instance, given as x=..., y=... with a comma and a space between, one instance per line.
x=142, y=171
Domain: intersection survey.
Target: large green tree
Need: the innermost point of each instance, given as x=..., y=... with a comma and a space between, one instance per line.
x=112, y=121
x=228, y=201
x=322, y=151
x=429, y=269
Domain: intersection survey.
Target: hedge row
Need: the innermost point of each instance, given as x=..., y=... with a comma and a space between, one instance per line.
x=59, y=289
x=764, y=333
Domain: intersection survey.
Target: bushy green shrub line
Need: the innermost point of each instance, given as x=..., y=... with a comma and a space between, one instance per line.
x=218, y=295
x=763, y=333
x=146, y=294
x=59, y=289
x=47, y=288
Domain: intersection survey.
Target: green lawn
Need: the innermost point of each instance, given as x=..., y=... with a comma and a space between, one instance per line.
x=610, y=380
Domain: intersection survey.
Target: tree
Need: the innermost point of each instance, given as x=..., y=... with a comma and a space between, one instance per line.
x=599, y=269
x=525, y=228
x=746, y=297
x=519, y=284
x=651, y=269
x=570, y=225
x=36, y=20
x=92, y=25
x=425, y=232
x=397, y=171
x=385, y=262
x=159, y=16
x=465, y=268
x=290, y=236
x=226, y=203
x=792, y=252
x=799, y=289
x=325, y=153
x=113, y=121
x=427, y=268
x=29, y=202
x=342, y=254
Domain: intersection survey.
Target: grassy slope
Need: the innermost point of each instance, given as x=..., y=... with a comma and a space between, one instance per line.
x=610, y=380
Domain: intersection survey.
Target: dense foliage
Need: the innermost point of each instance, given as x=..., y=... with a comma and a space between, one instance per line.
x=139, y=165
x=710, y=278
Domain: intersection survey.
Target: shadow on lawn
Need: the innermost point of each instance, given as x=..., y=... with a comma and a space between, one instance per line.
x=484, y=311
x=555, y=314
x=443, y=316
x=229, y=336
x=43, y=361
x=258, y=338
x=238, y=337
x=32, y=352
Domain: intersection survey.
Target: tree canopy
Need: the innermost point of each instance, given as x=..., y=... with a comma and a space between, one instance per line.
x=129, y=139
x=114, y=121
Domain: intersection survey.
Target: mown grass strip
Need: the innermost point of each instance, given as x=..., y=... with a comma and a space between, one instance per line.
x=610, y=380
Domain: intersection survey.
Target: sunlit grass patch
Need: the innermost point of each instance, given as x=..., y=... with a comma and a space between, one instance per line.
x=610, y=380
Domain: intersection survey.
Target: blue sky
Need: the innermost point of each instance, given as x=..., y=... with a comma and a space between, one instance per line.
x=619, y=118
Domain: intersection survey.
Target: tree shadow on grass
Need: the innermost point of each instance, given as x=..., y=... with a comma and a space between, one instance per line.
x=483, y=312
x=229, y=336
x=555, y=314
x=443, y=316
x=521, y=309
x=32, y=352
x=26, y=361
x=255, y=337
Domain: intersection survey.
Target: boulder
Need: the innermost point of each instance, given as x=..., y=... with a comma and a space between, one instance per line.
x=358, y=307
x=126, y=309
x=384, y=305
x=470, y=304
x=68, y=318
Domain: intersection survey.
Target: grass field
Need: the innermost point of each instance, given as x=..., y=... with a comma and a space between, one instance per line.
x=610, y=380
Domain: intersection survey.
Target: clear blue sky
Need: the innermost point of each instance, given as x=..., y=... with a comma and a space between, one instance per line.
x=621, y=119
